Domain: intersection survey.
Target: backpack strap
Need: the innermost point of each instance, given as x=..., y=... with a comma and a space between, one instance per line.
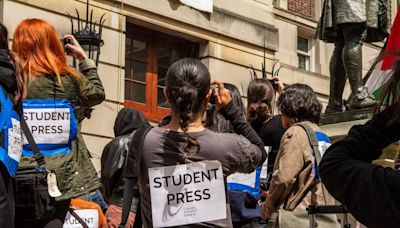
x=38, y=156
x=317, y=155
x=131, y=175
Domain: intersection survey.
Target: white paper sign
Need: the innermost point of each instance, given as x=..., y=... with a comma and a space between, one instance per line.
x=48, y=125
x=89, y=216
x=323, y=146
x=264, y=168
x=248, y=179
x=15, y=140
x=202, y=5
x=188, y=193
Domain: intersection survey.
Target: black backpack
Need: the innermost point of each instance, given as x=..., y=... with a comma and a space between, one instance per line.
x=131, y=176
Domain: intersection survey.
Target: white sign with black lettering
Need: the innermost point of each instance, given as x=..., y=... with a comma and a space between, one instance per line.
x=89, y=216
x=48, y=125
x=15, y=140
x=188, y=193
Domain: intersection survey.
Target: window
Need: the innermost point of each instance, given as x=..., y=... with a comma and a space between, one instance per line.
x=148, y=54
x=304, y=53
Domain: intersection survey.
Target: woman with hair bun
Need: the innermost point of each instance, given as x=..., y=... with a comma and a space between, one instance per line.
x=260, y=95
x=260, y=114
x=185, y=141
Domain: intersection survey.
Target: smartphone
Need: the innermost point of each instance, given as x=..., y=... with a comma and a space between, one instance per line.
x=213, y=87
x=67, y=40
x=275, y=86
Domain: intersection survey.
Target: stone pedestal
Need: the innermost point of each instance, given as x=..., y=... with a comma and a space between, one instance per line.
x=337, y=125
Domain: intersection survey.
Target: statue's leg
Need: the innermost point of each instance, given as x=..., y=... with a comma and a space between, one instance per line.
x=354, y=35
x=337, y=78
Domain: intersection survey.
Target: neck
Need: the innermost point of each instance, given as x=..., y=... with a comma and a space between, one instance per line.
x=196, y=124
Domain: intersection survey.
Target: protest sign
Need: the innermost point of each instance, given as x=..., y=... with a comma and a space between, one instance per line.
x=187, y=193
x=89, y=216
x=48, y=125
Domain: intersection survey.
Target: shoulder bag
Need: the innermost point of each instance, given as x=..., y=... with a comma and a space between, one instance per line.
x=289, y=219
x=33, y=201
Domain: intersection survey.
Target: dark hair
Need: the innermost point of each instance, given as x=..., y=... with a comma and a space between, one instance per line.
x=3, y=37
x=260, y=94
x=298, y=101
x=20, y=92
x=187, y=84
x=215, y=121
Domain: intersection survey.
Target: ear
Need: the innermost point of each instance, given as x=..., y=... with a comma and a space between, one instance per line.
x=208, y=96
x=166, y=95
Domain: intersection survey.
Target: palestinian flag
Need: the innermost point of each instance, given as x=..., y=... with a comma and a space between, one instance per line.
x=377, y=79
x=380, y=71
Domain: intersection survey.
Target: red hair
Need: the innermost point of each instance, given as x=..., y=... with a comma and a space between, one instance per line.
x=38, y=45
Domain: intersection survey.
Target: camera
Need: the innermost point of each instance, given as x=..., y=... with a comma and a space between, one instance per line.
x=213, y=87
x=274, y=85
x=67, y=40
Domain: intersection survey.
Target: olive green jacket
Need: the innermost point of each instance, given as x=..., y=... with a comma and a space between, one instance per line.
x=75, y=172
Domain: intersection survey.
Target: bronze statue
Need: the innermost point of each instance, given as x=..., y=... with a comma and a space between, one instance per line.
x=348, y=24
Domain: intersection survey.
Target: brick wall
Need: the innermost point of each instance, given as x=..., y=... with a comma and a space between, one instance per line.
x=304, y=8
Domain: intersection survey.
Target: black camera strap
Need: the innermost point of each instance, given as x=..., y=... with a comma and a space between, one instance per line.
x=25, y=129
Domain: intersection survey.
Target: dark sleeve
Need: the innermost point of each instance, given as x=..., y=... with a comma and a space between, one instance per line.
x=110, y=170
x=370, y=192
x=232, y=113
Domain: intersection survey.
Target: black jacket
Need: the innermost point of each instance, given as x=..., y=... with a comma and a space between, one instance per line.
x=115, y=152
x=370, y=192
x=7, y=80
x=271, y=133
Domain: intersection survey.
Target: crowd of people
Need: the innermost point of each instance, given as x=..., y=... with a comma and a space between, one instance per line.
x=212, y=162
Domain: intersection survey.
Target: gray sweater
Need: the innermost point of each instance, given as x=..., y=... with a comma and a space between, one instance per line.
x=236, y=153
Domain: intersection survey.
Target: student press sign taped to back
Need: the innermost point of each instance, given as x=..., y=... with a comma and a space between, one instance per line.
x=89, y=216
x=188, y=193
x=52, y=123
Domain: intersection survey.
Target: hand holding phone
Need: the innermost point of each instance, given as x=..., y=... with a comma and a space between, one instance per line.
x=67, y=40
x=277, y=84
x=221, y=95
x=73, y=48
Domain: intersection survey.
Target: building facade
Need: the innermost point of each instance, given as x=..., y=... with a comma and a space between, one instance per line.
x=142, y=38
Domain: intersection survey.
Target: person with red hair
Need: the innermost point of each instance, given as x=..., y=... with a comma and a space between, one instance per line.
x=50, y=81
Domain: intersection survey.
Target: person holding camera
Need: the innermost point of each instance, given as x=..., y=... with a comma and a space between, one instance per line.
x=52, y=83
x=184, y=165
x=260, y=114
